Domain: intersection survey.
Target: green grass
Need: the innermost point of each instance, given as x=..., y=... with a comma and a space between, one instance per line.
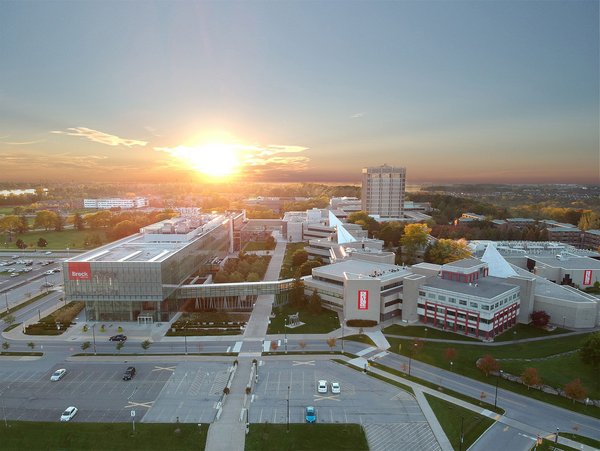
x=554, y=371
x=274, y=437
x=102, y=436
x=64, y=317
x=528, y=331
x=549, y=445
x=286, y=271
x=379, y=376
x=257, y=246
x=455, y=419
x=24, y=304
x=360, y=338
x=21, y=353
x=320, y=323
x=419, y=332
x=581, y=439
x=57, y=240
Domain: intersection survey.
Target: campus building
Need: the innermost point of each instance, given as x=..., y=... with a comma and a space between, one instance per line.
x=383, y=190
x=116, y=202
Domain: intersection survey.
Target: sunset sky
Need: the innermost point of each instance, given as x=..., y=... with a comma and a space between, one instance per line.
x=455, y=91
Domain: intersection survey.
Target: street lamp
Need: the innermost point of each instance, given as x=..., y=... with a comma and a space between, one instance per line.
x=462, y=434
x=285, y=342
x=451, y=363
x=496, y=397
x=564, y=319
x=288, y=410
x=410, y=351
x=185, y=335
x=556, y=437
x=6, y=298
x=343, y=321
x=94, y=336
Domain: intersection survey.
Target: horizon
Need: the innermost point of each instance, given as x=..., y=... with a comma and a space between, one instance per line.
x=455, y=92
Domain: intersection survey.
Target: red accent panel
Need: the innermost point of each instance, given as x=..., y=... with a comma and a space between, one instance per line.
x=79, y=271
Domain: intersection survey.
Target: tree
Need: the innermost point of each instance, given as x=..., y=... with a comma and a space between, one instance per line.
x=31, y=344
x=315, y=302
x=575, y=390
x=391, y=232
x=539, y=318
x=41, y=242
x=590, y=350
x=5, y=345
x=307, y=267
x=252, y=277
x=123, y=229
x=45, y=219
x=274, y=345
x=145, y=345
x=21, y=244
x=488, y=364
x=450, y=354
x=446, y=251
x=23, y=224
x=297, y=293
x=119, y=346
x=589, y=220
x=299, y=257
x=99, y=219
x=9, y=319
x=302, y=344
x=78, y=222
x=331, y=343
x=530, y=377
x=59, y=222
x=85, y=346
x=414, y=238
x=270, y=242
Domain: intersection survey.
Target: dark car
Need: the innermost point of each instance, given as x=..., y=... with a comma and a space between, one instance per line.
x=311, y=415
x=129, y=373
x=119, y=337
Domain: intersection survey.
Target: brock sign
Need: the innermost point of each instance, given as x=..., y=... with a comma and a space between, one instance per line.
x=363, y=300
x=80, y=271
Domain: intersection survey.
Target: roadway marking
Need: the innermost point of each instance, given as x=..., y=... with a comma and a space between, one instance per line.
x=131, y=404
x=165, y=368
x=330, y=398
x=308, y=362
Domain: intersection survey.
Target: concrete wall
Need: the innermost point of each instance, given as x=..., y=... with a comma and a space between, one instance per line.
x=575, y=315
x=352, y=286
x=410, y=297
x=526, y=294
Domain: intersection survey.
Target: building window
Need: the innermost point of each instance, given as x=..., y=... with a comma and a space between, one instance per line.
x=421, y=293
x=473, y=304
x=461, y=302
x=441, y=297
x=485, y=307
x=452, y=300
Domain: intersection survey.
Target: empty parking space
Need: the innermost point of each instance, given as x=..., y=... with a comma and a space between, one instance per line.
x=362, y=399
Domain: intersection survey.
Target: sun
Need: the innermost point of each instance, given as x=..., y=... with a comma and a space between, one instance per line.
x=217, y=160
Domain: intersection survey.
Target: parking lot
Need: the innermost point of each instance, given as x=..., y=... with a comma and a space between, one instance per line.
x=362, y=399
x=157, y=393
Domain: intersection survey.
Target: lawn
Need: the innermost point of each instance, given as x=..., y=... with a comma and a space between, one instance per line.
x=286, y=271
x=257, y=246
x=58, y=322
x=425, y=332
x=320, y=323
x=455, y=419
x=274, y=437
x=72, y=239
x=521, y=331
x=102, y=436
x=555, y=371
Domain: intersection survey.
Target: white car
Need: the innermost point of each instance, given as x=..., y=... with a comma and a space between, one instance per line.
x=322, y=386
x=335, y=387
x=58, y=374
x=49, y=272
x=69, y=413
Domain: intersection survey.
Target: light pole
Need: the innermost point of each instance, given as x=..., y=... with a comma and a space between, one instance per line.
x=185, y=336
x=6, y=299
x=410, y=356
x=343, y=321
x=462, y=435
x=94, y=336
x=285, y=344
x=556, y=437
x=288, y=410
x=564, y=320
x=451, y=364
x=496, y=397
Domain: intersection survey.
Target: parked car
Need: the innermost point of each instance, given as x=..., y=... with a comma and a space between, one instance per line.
x=119, y=337
x=58, y=374
x=335, y=387
x=69, y=413
x=129, y=373
x=311, y=415
x=322, y=386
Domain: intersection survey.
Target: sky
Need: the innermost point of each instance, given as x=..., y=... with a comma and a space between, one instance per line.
x=486, y=91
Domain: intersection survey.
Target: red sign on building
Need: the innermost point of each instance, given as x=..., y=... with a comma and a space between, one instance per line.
x=587, y=277
x=363, y=300
x=80, y=271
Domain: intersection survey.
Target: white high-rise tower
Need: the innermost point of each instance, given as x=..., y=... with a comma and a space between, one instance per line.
x=383, y=191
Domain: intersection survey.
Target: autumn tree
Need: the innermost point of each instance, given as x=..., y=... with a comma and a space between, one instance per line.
x=488, y=364
x=41, y=242
x=331, y=343
x=530, y=377
x=78, y=222
x=299, y=257
x=315, y=302
x=414, y=238
x=446, y=251
x=274, y=345
x=45, y=219
x=575, y=390
x=450, y=354
x=539, y=318
x=589, y=220
x=20, y=244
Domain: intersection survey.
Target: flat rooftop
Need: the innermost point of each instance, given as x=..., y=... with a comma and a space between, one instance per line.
x=381, y=271
x=141, y=248
x=486, y=287
x=568, y=262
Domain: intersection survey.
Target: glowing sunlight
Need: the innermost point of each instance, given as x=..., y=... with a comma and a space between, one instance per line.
x=214, y=159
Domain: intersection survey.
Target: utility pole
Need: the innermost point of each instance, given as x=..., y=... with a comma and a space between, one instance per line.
x=288, y=410
x=94, y=336
x=496, y=397
x=285, y=339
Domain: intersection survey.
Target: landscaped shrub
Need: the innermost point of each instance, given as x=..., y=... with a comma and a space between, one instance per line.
x=361, y=323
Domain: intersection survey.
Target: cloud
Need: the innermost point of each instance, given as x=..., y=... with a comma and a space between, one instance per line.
x=357, y=115
x=23, y=143
x=100, y=137
x=253, y=160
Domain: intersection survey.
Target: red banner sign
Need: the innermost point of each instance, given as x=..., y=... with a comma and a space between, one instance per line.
x=80, y=271
x=587, y=277
x=363, y=300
